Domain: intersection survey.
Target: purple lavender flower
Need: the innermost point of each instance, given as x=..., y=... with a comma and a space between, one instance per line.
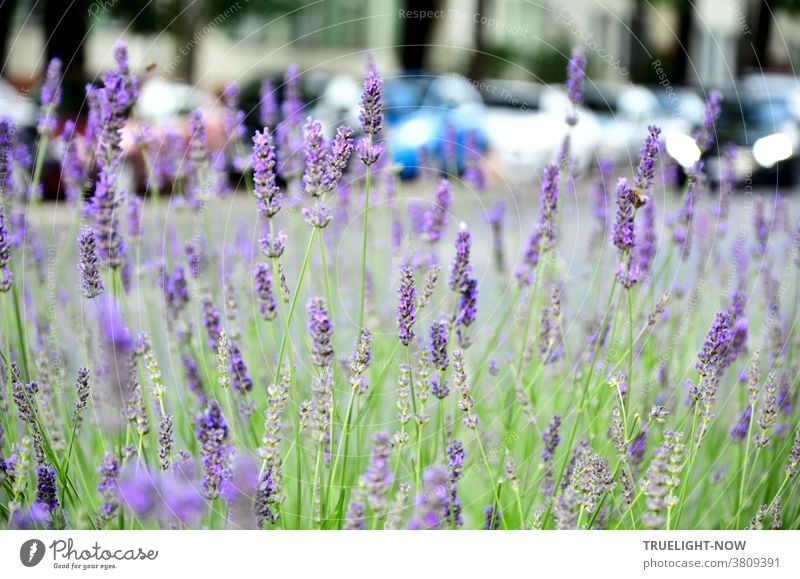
x=646, y=250
x=267, y=193
x=212, y=433
x=467, y=302
x=436, y=218
x=192, y=374
x=548, y=204
x=50, y=96
x=377, y=479
x=7, y=141
x=82, y=391
x=109, y=471
x=739, y=430
x=473, y=172
x=211, y=322
x=794, y=457
x=198, y=144
x=455, y=463
x=460, y=267
x=176, y=291
x=407, y=305
x=526, y=269
x=292, y=102
x=438, y=345
x=371, y=109
x=643, y=180
x=624, y=234
x=267, y=104
x=491, y=518
x=684, y=231
x=314, y=147
x=711, y=358
x=106, y=223
x=551, y=438
x=91, y=282
x=369, y=153
x=337, y=158
x=706, y=134
x=761, y=228
x=6, y=277
x=321, y=329
x=576, y=77
x=432, y=502
x=46, y=491
x=240, y=377
x=233, y=118
x=262, y=286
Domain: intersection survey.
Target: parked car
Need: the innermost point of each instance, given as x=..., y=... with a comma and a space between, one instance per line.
x=525, y=126
x=625, y=111
x=429, y=115
x=164, y=106
x=764, y=134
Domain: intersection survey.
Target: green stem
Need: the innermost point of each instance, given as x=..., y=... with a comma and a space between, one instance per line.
x=367, y=186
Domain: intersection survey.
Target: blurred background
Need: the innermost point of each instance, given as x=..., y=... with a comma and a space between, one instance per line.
x=484, y=75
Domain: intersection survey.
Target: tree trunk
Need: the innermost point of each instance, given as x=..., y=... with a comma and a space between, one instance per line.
x=188, y=40
x=477, y=63
x=6, y=13
x=66, y=26
x=763, y=30
x=683, y=50
x=638, y=42
x=416, y=35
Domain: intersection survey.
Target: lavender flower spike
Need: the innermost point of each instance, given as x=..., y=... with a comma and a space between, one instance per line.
x=6, y=277
x=548, y=202
x=212, y=433
x=371, y=112
x=576, y=78
x=706, y=134
x=50, y=96
x=643, y=180
x=88, y=267
x=337, y=158
x=321, y=329
x=460, y=268
x=406, y=309
x=314, y=147
x=433, y=502
x=265, y=187
x=438, y=345
x=711, y=357
x=262, y=287
x=436, y=218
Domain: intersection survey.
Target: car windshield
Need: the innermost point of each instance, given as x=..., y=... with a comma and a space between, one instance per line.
x=753, y=117
x=511, y=95
x=451, y=92
x=405, y=92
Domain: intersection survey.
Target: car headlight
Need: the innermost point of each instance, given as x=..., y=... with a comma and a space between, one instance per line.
x=683, y=149
x=773, y=148
x=414, y=133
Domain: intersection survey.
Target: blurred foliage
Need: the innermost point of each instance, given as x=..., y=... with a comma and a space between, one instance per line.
x=544, y=65
x=164, y=14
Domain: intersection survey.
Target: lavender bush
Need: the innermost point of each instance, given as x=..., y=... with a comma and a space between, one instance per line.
x=163, y=373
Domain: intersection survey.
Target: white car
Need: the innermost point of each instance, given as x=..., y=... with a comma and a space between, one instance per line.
x=625, y=112
x=526, y=126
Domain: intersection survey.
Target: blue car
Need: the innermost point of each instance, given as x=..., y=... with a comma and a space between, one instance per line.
x=430, y=119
